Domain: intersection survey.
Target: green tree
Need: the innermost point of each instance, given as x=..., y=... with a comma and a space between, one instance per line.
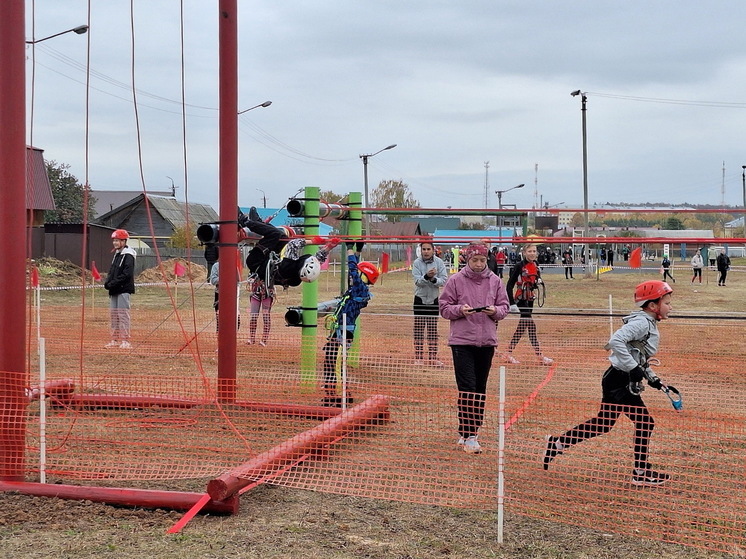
x=331, y=197
x=68, y=195
x=393, y=194
x=183, y=237
x=673, y=223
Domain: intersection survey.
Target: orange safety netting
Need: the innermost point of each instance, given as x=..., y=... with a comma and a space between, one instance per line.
x=151, y=413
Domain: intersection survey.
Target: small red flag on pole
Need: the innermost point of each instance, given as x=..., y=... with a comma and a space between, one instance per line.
x=179, y=269
x=385, y=263
x=635, y=258
x=34, y=277
x=94, y=271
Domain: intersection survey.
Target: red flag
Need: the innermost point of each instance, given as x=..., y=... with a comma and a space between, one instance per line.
x=635, y=258
x=34, y=277
x=179, y=269
x=385, y=263
x=94, y=271
x=409, y=256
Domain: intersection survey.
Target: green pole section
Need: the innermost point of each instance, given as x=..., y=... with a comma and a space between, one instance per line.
x=310, y=293
x=355, y=230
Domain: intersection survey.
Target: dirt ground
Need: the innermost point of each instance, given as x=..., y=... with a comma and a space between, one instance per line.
x=279, y=522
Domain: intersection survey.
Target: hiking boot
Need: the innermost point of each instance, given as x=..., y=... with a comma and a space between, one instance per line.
x=553, y=449
x=648, y=477
x=253, y=214
x=545, y=361
x=243, y=219
x=472, y=446
x=510, y=359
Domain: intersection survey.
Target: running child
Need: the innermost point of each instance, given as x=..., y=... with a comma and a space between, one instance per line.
x=632, y=346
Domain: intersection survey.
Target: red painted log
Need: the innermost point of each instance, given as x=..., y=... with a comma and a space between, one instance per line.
x=144, y=498
x=295, y=410
x=121, y=401
x=60, y=390
x=371, y=411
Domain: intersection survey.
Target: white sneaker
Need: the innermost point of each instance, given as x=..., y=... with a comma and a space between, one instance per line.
x=461, y=441
x=125, y=345
x=436, y=363
x=111, y=344
x=510, y=359
x=419, y=363
x=472, y=446
x=546, y=361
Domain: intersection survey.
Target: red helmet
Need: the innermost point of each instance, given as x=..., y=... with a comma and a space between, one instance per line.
x=370, y=271
x=120, y=234
x=651, y=290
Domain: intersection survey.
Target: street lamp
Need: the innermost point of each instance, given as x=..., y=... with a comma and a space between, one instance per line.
x=583, y=101
x=264, y=197
x=265, y=104
x=365, y=157
x=500, y=201
x=79, y=30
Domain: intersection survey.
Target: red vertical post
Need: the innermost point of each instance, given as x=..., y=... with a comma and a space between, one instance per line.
x=12, y=241
x=228, y=129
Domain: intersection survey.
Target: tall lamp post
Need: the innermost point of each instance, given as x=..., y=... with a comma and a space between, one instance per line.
x=583, y=102
x=500, y=202
x=79, y=30
x=264, y=197
x=365, y=157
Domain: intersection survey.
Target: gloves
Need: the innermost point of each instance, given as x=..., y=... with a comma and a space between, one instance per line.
x=330, y=244
x=318, y=240
x=655, y=382
x=637, y=374
x=514, y=309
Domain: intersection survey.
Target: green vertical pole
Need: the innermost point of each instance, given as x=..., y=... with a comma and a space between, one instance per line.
x=310, y=292
x=355, y=230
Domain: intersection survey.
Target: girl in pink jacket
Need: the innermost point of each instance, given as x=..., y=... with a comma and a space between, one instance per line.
x=473, y=300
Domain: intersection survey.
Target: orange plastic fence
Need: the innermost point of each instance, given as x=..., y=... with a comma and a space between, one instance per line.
x=150, y=413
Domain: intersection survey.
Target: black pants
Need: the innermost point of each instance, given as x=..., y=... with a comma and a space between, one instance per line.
x=666, y=274
x=472, y=367
x=616, y=400
x=568, y=270
x=721, y=279
x=525, y=323
x=697, y=273
x=271, y=241
x=425, y=321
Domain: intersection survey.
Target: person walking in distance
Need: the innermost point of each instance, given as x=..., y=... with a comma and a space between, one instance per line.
x=429, y=274
x=723, y=265
x=473, y=300
x=697, y=265
x=666, y=268
x=120, y=283
x=568, y=262
x=525, y=278
x=632, y=346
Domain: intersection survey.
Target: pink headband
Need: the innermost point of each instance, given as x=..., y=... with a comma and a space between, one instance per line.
x=475, y=250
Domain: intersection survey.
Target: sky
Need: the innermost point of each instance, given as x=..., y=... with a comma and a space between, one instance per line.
x=454, y=84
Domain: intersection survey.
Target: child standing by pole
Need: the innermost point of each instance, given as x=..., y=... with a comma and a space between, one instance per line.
x=632, y=346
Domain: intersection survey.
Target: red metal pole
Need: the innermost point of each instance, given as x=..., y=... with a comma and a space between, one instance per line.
x=12, y=240
x=228, y=75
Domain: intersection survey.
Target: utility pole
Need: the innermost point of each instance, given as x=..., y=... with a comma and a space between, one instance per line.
x=486, y=184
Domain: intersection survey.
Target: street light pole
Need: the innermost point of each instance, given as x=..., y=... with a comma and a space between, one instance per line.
x=265, y=104
x=583, y=101
x=365, y=157
x=264, y=197
x=79, y=30
x=500, y=202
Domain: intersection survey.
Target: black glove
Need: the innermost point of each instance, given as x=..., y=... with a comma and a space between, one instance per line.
x=655, y=382
x=359, y=246
x=637, y=374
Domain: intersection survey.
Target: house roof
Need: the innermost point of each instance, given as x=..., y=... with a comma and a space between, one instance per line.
x=38, y=189
x=405, y=229
x=108, y=200
x=170, y=209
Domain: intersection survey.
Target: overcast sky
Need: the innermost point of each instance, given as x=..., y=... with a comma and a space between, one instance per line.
x=453, y=83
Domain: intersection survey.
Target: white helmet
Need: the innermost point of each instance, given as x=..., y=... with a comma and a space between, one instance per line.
x=310, y=270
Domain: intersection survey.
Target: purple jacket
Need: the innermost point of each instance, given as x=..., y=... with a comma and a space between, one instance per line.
x=482, y=289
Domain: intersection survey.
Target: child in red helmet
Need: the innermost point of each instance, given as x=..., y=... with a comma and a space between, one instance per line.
x=631, y=346
x=120, y=283
x=355, y=299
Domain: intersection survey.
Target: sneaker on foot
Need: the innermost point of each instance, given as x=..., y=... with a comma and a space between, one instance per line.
x=545, y=361
x=471, y=445
x=461, y=441
x=552, y=450
x=125, y=345
x=436, y=363
x=253, y=214
x=243, y=219
x=510, y=359
x=419, y=363
x=263, y=343
x=648, y=477
x=111, y=344
x=250, y=342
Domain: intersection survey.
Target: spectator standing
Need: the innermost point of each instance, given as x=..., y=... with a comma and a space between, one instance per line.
x=567, y=260
x=500, y=259
x=215, y=281
x=211, y=256
x=120, y=283
x=666, y=268
x=610, y=257
x=723, y=264
x=474, y=300
x=429, y=274
x=697, y=265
